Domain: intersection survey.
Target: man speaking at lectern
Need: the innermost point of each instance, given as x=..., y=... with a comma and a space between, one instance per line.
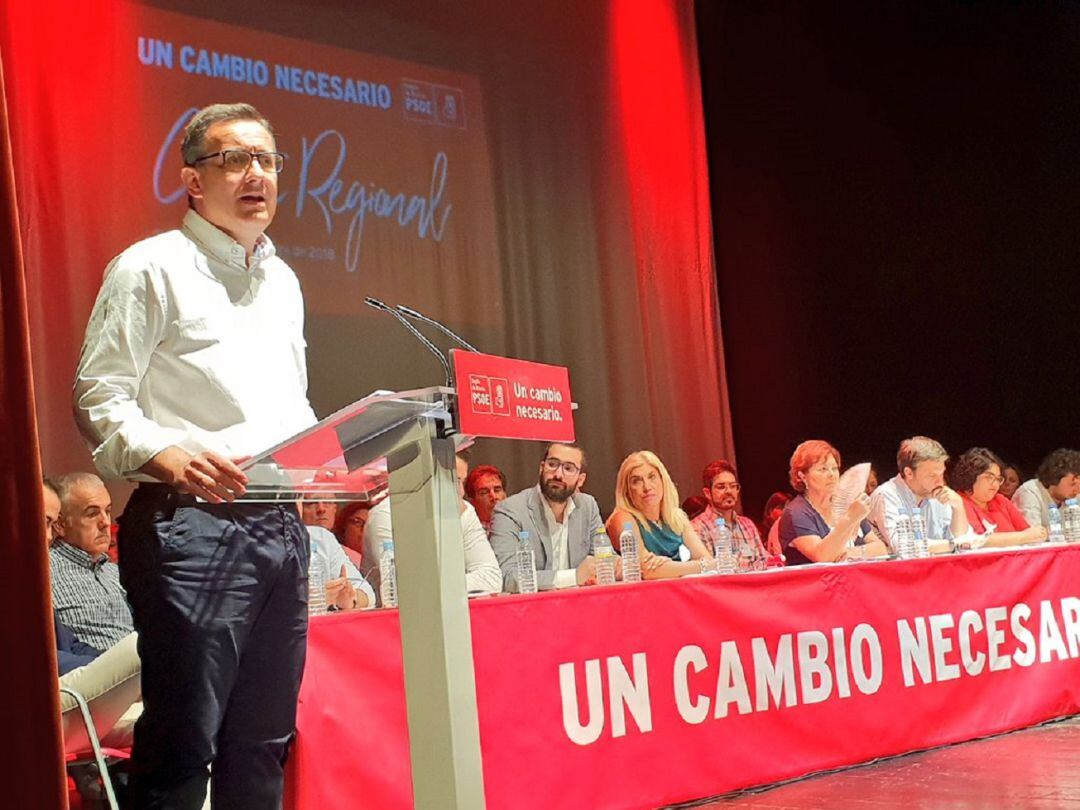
x=194, y=358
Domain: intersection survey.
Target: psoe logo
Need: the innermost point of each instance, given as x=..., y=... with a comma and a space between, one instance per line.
x=489, y=394
x=480, y=393
x=419, y=101
x=449, y=107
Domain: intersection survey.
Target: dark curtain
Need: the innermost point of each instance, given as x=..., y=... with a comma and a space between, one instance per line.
x=30, y=710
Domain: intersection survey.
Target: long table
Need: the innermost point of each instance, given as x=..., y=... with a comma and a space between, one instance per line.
x=639, y=695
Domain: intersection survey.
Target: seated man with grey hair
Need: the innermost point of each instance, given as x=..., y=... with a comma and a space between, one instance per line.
x=86, y=591
x=109, y=682
x=920, y=486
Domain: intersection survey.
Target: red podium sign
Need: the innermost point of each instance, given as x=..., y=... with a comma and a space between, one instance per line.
x=503, y=398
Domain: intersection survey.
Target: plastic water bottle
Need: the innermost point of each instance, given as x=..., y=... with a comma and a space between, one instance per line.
x=747, y=554
x=903, y=537
x=631, y=562
x=525, y=562
x=1056, y=531
x=721, y=540
x=604, y=557
x=316, y=585
x=387, y=575
x=918, y=534
x=1072, y=521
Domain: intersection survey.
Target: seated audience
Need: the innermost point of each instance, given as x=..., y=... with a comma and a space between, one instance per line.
x=721, y=492
x=1056, y=480
x=770, y=521
x=481, y=568
x=976, y=475
x=349, y=525
x=86, y=591
x=346, y=588
x=560, y=520
x=694, y=506
x=318, y=511
x=871, y=481
x=108, y=681
x=807, y=531
x=646, y=498
x=920, y=485
x=1012, y=475
x=484, y=488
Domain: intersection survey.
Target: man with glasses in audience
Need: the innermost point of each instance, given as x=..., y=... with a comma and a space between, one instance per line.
x=194, y=358
x=721, y=490
x=920, y=486
x=560, y=519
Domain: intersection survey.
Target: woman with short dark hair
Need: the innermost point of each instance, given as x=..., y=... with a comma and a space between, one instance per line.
x=976, y=475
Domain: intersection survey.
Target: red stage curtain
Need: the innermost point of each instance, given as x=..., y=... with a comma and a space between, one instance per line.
x=30, y=708
x=594, y=131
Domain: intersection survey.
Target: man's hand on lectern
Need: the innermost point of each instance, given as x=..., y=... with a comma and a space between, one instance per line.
x=206, y=475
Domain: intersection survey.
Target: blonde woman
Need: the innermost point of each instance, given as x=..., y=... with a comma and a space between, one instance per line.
x=646, y=498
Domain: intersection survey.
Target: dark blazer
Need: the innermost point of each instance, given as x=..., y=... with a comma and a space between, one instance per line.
x=525, y=512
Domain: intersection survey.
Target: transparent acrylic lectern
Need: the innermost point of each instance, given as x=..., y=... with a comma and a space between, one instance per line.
x=404, y=441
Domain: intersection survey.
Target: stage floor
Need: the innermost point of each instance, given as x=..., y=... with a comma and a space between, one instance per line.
x=1032, y=769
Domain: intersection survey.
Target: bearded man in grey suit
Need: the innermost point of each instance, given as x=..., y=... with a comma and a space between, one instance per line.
x=560, y=519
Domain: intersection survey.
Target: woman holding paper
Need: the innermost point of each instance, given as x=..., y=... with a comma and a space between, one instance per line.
x=809, y=532
x=646, y=499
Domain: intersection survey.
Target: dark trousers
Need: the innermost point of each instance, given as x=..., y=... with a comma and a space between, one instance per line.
x=219, y=598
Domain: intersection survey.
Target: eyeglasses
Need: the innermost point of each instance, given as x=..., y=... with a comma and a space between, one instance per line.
x=726, y=487
x=993, y=479
x=238, y=160
x=568, y=467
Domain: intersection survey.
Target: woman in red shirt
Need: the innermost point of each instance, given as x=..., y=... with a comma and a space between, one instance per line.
x=976, y=475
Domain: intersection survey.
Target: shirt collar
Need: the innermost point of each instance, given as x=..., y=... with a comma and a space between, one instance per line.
x=77, y=555
x=906, y=493
x=549, y=514
x=223, y=247
x=711, y=514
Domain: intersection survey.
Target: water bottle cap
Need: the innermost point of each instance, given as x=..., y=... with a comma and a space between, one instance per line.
x=1070, y=501
x=628, y=526
x=523, y=535
x=721, y=522
x=387, y=545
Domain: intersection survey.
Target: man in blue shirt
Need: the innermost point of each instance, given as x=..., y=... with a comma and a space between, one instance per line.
x=920, y=485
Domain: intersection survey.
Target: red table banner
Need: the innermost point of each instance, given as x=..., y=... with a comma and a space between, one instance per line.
x=503, y=398
x=659, y=692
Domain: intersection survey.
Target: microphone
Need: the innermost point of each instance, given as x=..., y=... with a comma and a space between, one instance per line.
x=375, y=303
x=412, y=313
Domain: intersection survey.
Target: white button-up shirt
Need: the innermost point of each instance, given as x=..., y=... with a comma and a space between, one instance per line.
x=565, y=576
x=1033, y=500
x=329, y=555
x=187, y=345
x=482, y=572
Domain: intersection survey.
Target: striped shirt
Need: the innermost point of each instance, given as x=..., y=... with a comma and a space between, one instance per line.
x=88, y=597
